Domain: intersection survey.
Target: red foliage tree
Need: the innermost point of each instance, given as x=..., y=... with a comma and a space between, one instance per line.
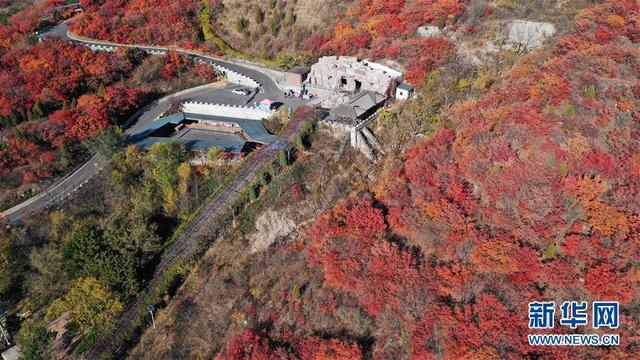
x=315, y=348
x=527, y=195
x=607, y=283
x=250, y=345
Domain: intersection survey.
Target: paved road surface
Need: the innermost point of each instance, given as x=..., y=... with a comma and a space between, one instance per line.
x=268, y=81
x=62, y=188
x=73, y=181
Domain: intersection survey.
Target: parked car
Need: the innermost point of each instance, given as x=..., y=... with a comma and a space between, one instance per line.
x=241, y=92
x=307, y=95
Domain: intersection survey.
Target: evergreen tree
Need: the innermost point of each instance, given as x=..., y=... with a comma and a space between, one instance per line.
x=283, y=159
x=34, y=342
x=37, y=111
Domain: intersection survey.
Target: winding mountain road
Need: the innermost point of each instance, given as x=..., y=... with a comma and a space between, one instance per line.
x=187, y=242
x=211, y=93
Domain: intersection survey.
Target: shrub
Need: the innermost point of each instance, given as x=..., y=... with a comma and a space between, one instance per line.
x=34, y=342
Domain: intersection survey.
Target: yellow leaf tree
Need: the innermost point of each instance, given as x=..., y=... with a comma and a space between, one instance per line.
x=91, y=305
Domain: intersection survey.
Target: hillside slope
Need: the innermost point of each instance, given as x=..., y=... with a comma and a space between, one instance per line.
x=528, y=193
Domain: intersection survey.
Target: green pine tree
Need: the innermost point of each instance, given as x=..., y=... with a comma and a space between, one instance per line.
x=283, y=159
x=37, y=111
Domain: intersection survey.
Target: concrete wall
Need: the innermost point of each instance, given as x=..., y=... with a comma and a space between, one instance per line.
x=360, y=137
x=233, y=76
x=294, y=81
x=241, y=112
x=402, y=94
x=357, y=140
x=111, y=48
x=237, y=78
x=339, y=129
x=102, y=48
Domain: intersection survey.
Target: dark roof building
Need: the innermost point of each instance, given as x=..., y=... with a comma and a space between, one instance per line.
x=294, y=78
x=200, y=132
x=360, y=106
x=253, y=130
x=405, y=86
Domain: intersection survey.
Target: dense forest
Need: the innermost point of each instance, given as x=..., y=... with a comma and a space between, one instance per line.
x=59, y=103
x=529, y=194
x=56, y=96
x=368, y=28
x=512, y=179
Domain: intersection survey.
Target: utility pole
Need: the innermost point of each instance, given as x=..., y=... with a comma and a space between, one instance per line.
x=153, y=320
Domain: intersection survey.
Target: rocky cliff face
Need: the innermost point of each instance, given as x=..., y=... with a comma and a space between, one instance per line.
x=270, y=226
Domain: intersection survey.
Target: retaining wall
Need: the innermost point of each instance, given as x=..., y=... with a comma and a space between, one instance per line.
x=234, y=77
x=233, y=111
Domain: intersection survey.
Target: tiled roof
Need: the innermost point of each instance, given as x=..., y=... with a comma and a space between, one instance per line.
x=359, y=105
x=253, y=128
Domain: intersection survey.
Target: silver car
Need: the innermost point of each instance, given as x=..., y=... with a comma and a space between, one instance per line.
x=241, y=92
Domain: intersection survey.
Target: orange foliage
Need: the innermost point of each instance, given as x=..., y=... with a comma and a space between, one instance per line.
x=494, y=256
x=318, y=349
x=380, y=28
x=603, y=216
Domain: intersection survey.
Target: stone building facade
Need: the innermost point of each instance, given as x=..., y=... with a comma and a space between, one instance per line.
x=348, y=74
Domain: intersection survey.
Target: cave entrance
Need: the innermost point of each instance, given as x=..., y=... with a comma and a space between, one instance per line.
x=358, y=86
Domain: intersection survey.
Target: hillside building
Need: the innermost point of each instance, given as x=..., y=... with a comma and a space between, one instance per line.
x=199, y=132
x=295, y=77
x=359, y=107
x=404, y=91
x=348, y=74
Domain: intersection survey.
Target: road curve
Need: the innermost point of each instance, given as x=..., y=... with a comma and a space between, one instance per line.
x=264, y=77
x=186, y=243
x=207, y=93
